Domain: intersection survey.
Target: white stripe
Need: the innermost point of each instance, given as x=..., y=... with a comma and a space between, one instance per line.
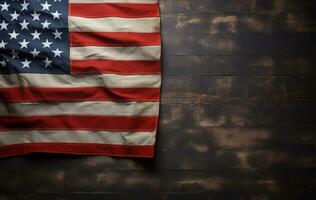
x=80, y=108
x=71, y=81
x=115, y=53
x=114, y=1
x=100, y=137
x=114, y=24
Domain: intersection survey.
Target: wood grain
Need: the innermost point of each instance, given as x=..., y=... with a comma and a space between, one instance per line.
x=237, y=114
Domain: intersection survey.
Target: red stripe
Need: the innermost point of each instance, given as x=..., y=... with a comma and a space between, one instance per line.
x=127, y=10
x=79, y=39
x=78, y=94
x=115, y=67
x=78, y=149
x=64, y=122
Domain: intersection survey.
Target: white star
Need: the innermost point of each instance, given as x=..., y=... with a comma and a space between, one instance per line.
x=57, y=0
x=24, y=5
x=35, y=16
x=45, y=24
x=57, y=53
x=4, y=25
x=36, y=35
x=2, y=44
x=14, y=54
x=24, y=25
x=57, y=34
x=13, y=35
x=26, y=64
x=47, y=62
x=35, y=53
x=46, y=44
x=45, y=6
x=3, y=63
x=56, y=14
x=14, y=16
x=4, y=6
x=24, y=44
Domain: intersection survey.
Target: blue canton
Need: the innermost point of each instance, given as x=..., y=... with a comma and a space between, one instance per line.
x=34, y=36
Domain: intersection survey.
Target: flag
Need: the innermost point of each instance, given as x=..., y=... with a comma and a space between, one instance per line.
x=79, y=77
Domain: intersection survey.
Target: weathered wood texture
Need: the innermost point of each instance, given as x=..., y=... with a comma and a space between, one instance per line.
x=238, y=116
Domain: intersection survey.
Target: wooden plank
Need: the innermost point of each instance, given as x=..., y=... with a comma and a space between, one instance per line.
x=239, y=66
x=174, y=157
x=239, y=113
x=243, y=44
x=240, y=86
x=189, y=181
x=232, y=6
x=219, y=23
x=201, y=140
x=80, y=180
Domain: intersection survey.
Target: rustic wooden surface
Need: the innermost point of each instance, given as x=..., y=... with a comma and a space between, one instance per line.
x=238, y=116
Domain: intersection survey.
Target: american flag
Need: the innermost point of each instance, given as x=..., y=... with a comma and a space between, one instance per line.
x=79, y=77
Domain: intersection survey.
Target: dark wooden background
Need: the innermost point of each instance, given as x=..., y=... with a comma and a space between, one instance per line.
x=237, y=117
